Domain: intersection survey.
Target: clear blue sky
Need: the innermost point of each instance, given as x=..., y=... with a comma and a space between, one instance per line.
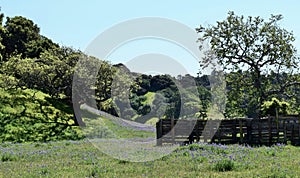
x=77, y=23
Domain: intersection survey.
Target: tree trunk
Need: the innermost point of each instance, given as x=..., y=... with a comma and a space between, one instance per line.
x=77, y=114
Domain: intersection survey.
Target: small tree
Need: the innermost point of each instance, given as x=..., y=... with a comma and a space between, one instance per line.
x=275, y=107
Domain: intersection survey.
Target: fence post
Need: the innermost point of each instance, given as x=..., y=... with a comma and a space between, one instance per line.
x=284, y=131
x=159, y=133
x=241, y=131
x=277, y=123
x=205, y=134
x=234, y=131
x=172, y=130
x=197, y=130
x=293, y=134
x=249, y=130
x=270, y=130
x=259, y=131
x=219, y=131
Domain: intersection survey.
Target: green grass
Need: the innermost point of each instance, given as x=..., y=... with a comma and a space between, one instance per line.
x=100, y=127
x=125, y=132
x=108, y=129
x=152, y=121
x=150, y=98
x=83, y=159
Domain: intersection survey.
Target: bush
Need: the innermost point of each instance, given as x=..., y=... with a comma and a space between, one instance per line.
x=270, y=107
x=195, y=146
x=8, y=157
x=224, y=165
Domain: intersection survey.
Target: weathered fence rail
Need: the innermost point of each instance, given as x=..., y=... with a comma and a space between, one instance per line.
x=266, y=131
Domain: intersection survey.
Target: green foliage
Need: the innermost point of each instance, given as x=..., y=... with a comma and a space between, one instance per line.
x=165, y=97
x=34, y=65
x=136, y=103
x=157, y=96
x=8, y=157
x=159, y=105
x=21, y=36
x=235, y=42
x=240, y=100
x=2, y=32
x=52, y=73
x=273, y=106
x=27, y=115
x=35, y=48
x=256, y=46
x=218, y=93
x=160, y=82
x=223, y=165
x=194, y=147
x=144, y=83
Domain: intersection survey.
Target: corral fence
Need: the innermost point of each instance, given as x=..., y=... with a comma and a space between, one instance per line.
x=264, y=131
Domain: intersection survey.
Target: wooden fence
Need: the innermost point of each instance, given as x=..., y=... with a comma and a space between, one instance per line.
x=266, y=131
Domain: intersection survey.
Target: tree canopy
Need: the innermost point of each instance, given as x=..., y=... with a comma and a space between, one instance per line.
x=22, y=36
x=254, y=45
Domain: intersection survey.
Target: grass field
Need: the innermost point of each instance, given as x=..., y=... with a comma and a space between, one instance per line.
x=83, y=159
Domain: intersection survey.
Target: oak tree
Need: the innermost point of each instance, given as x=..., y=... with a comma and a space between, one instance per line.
x=255, y=45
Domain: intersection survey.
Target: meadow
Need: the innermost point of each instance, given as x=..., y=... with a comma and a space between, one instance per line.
x=83, y=159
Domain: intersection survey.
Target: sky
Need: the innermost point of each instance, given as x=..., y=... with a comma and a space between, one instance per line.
x=77, y=23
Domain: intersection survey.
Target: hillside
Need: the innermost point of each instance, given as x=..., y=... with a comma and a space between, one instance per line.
x=31, y=115
x=100, y=124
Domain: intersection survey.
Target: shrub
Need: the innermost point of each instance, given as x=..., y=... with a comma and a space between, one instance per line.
x=224, y=165
x=8, y=157
x=270, y=107
x=194, y=147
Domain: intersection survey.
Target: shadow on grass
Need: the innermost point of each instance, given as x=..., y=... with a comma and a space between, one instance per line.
x=60, y=105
